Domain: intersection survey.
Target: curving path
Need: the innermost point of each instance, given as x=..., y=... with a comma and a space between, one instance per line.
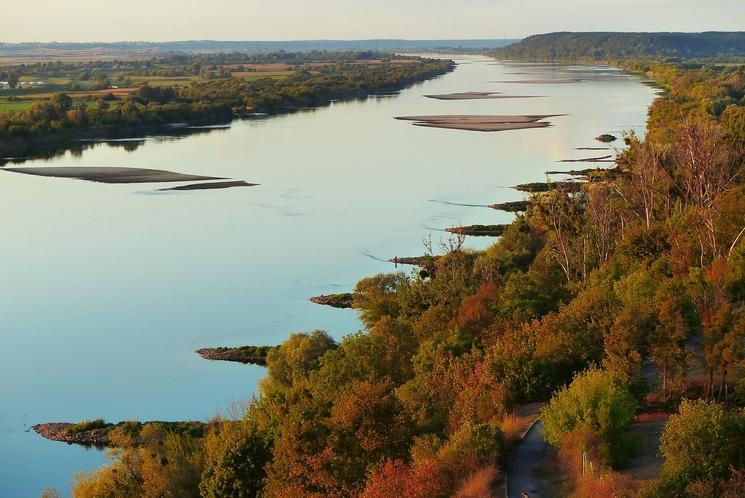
x=525, y=463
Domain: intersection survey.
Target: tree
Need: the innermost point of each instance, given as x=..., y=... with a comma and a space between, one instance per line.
x=667, y=343
x=648, y=190
x=375, y=297
x=564, y=215
x=701, y=442
x=603, y=217
x=397, y=479
x=706, y=169
x=13, y=79
x=295, y=358
x=595, y=400
x=235, y=456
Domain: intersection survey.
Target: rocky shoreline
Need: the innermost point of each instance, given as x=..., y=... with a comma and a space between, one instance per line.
x=511, y=207
x=479, y=230
x=253, y=355
x=59, y=431
x=413, y=260
x=100, y=435
x=342, y=301
x=537, y=187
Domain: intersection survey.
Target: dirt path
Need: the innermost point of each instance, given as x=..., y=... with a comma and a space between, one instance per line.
x=526, y=461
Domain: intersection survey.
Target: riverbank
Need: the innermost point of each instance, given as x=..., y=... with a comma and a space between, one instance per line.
x=152, y=110
x=100, y=434
x=242, y=250
x=254, y=355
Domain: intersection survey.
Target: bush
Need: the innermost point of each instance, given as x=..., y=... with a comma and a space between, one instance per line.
x=595, y=400
x=703, y=442
x=87, y=425
x=234, y=462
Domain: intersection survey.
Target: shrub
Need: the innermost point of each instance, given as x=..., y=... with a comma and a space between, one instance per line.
x=478, y=484
x=703, y=442
x=234, y=461
x=595, y=400
x=86, y=425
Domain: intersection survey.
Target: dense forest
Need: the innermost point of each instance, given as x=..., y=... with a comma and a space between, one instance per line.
x=214, y=98
x=604, y=46
x=624, y=297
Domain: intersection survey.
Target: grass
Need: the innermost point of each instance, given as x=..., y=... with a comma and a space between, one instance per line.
x=87, y=425
x=480, y=484
x=8, y=105
x=162, y=80
x=257, y=75
x=512, y=428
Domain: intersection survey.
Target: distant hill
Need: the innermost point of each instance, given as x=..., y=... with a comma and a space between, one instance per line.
x=599, y=45
x=212, y=46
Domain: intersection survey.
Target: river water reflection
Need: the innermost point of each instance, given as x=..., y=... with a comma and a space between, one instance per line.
x=107, y=290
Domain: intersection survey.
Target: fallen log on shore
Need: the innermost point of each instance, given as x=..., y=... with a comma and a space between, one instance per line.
x=343, y=300
x=248, y=355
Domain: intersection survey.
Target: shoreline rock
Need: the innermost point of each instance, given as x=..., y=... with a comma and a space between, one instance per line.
x=606, y=138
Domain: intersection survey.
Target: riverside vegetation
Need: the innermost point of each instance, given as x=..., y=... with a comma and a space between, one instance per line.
x=624, y=295
x=198, y=90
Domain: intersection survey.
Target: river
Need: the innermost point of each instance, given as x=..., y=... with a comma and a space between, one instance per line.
x=107, y=290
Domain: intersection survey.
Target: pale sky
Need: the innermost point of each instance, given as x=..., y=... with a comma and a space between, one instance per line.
x=165, y=20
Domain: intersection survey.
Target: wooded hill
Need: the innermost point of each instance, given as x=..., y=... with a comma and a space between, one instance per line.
x=604, y=45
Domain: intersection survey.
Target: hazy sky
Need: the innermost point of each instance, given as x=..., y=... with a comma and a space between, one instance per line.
x=157, y=20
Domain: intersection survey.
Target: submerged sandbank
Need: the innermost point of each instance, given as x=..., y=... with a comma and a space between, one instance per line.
x=210, y=186
x=482, y=122
x=543, y=82
x=478, y=96
x=588, y=160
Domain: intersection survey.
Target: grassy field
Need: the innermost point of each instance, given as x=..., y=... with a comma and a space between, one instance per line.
x=6, y=105
x=80, y=84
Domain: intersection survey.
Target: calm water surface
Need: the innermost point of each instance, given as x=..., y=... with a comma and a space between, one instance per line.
x=108, y=289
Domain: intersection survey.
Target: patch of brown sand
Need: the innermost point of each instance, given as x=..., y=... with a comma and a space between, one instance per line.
x=543, y=82
x=112, y=175
x=474, y=126
x=481, y=122
x=211, y=185
x=478, y=96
